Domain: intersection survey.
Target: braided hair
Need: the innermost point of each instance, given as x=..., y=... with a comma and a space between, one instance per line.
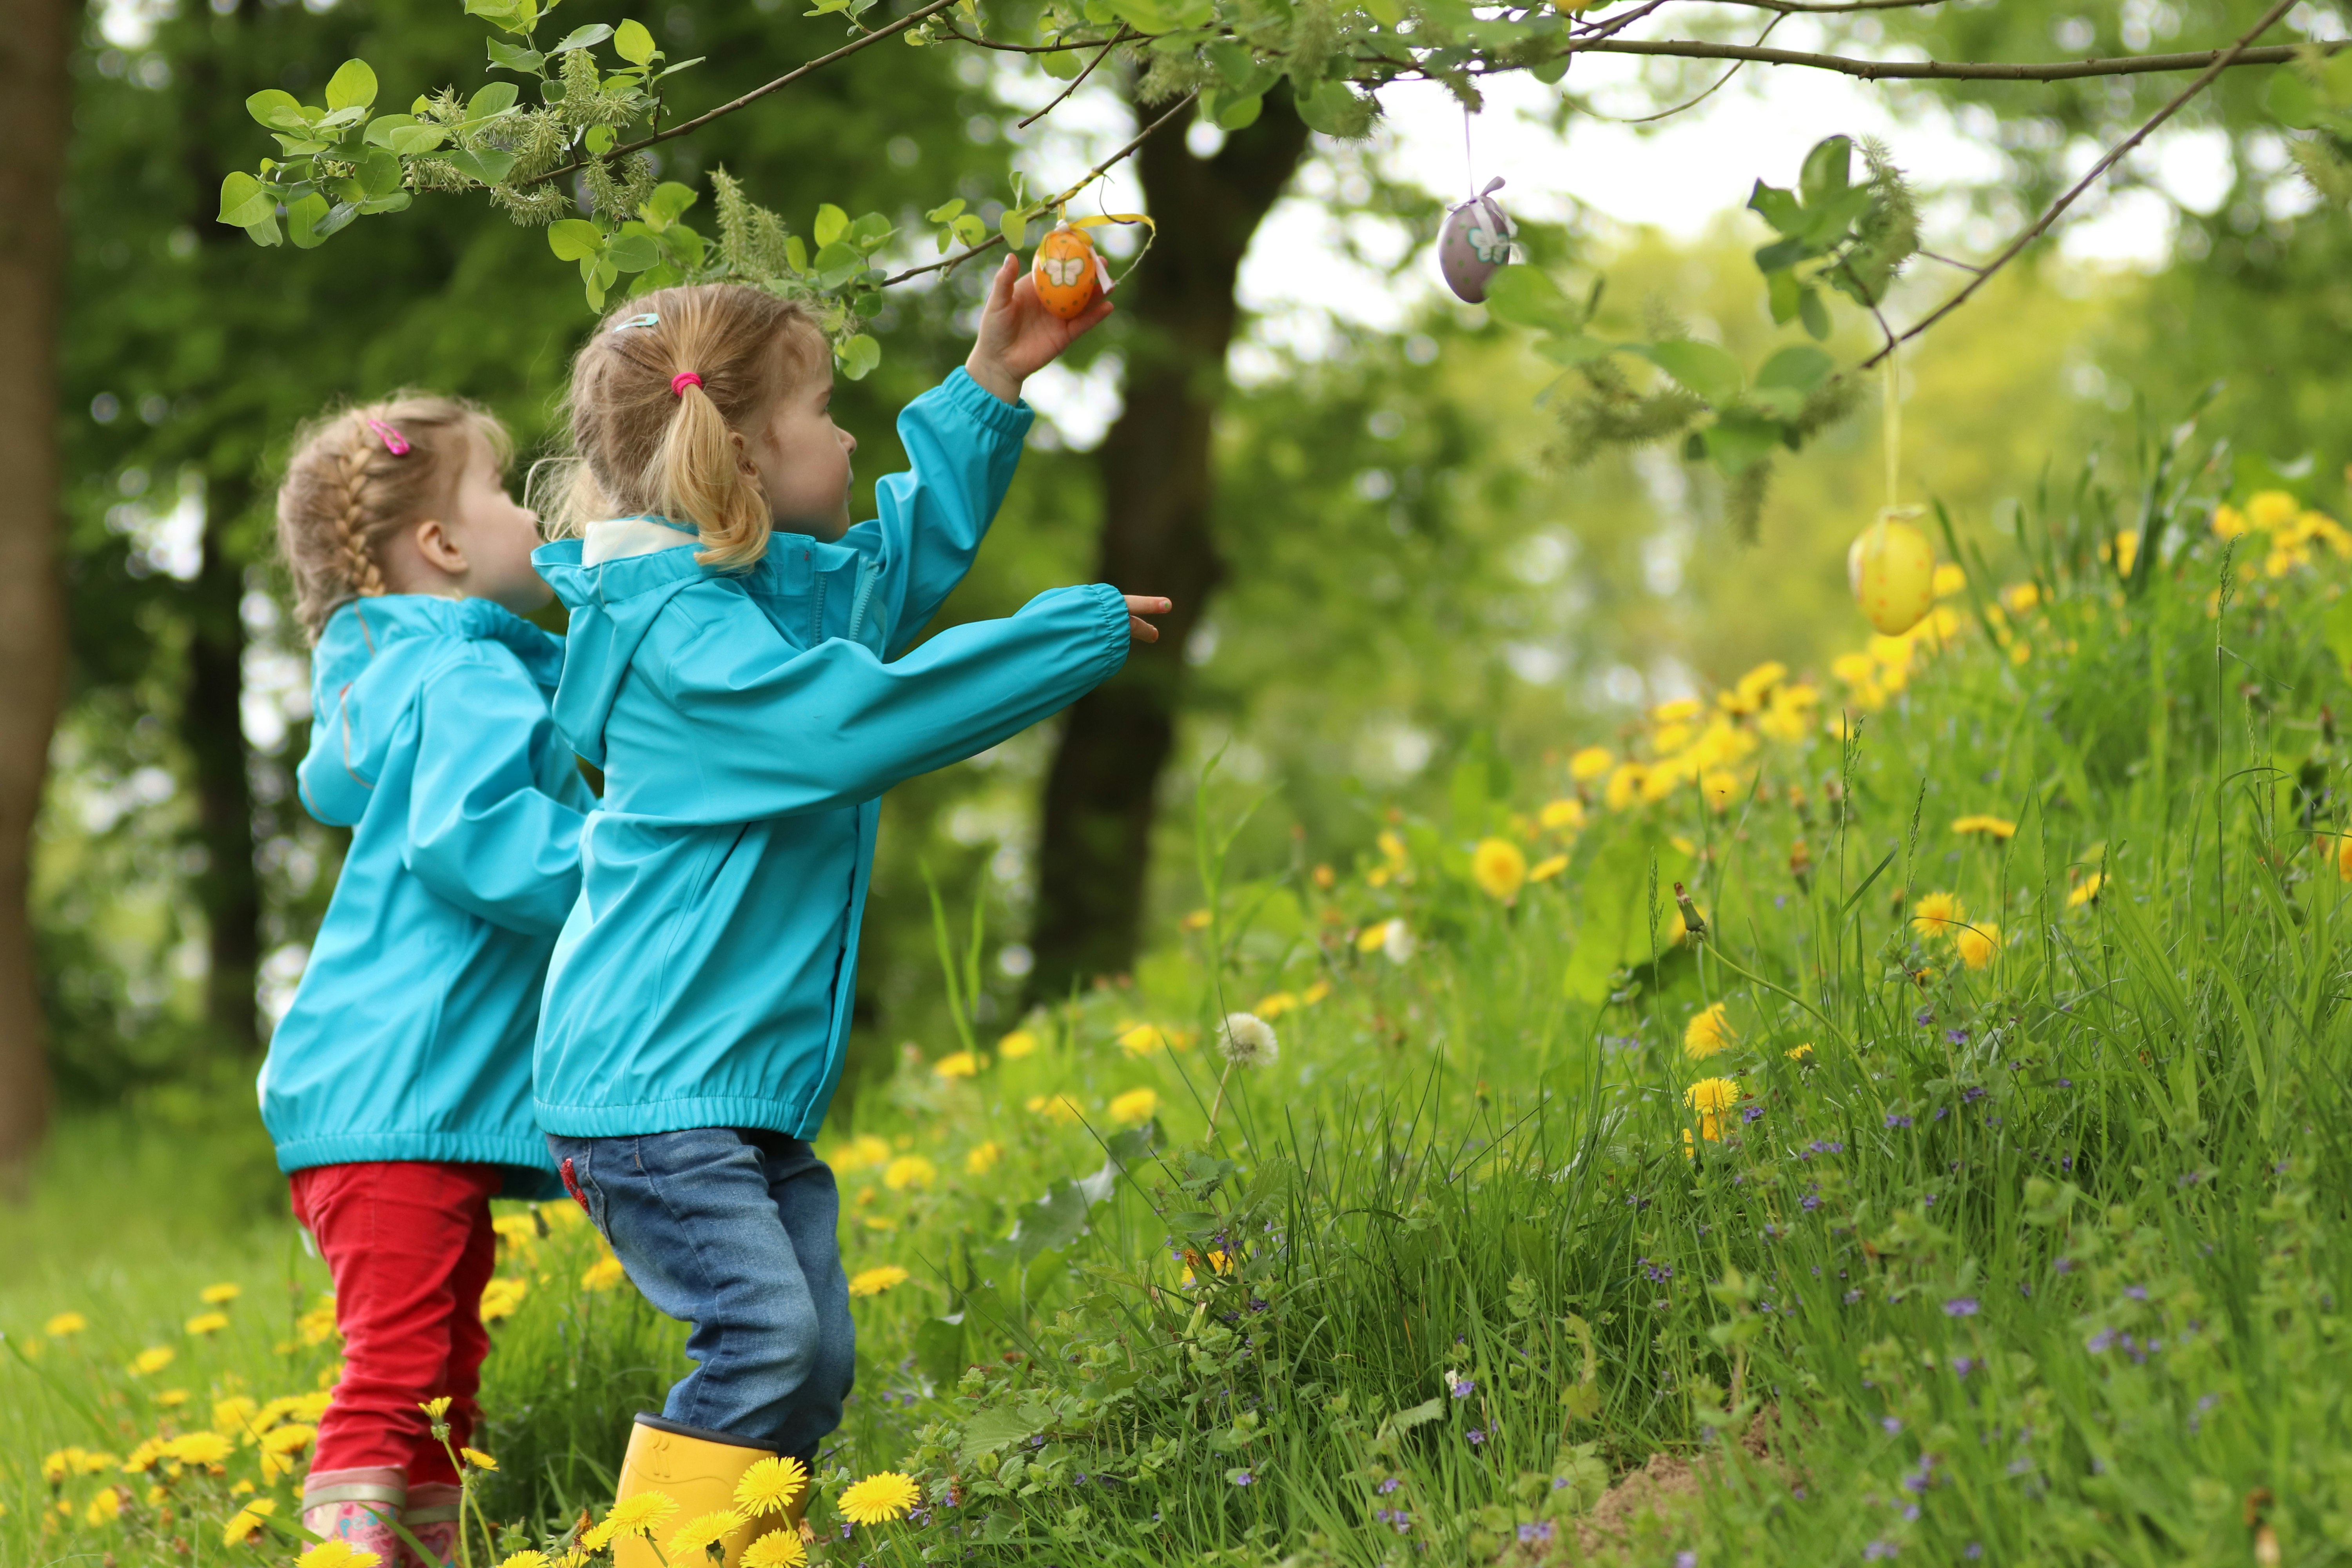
x=358, y=477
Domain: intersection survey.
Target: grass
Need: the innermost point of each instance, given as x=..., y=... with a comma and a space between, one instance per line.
x=2031, y=1261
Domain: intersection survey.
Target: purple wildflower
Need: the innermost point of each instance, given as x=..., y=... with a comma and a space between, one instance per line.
x=1464, y=1388
x=2099, y=1343
x=1960, y=1307
x=1852, y=1296
x=1964, y=1365
x=1685, y=1560
x=1390, y=1485
x=1876, y=1550
x=1891, y=1423
x=1535, y=1533
x=1895, y=1119
x=1244, y=1479
x=1476, y=1437
x=2136, y=1292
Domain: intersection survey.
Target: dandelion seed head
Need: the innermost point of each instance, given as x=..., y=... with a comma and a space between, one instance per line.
x=1248, y=1040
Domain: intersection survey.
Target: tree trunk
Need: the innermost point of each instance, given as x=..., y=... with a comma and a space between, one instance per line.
x=212, y=727
x=1093, y=850
x=34, y=116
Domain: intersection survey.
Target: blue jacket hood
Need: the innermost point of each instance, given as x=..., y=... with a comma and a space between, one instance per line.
x=613, y=605
x=372, y=660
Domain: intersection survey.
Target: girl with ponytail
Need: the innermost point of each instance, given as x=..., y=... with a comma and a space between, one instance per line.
x=737, y=665
x=397, y=1087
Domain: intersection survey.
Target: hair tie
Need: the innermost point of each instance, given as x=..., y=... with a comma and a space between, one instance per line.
x=681, y=381
x=393, y=441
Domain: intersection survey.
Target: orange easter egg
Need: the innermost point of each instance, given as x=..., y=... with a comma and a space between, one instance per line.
x=1892, y=569
x=1068, y=272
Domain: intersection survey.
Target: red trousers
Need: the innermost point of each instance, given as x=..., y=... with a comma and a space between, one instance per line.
x=410, y=1245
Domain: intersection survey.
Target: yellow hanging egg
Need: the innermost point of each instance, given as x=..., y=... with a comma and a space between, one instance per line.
x=1892, y=569
x=1068, y=272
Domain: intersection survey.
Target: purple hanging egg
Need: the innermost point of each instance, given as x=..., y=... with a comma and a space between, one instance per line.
x=1476, y=240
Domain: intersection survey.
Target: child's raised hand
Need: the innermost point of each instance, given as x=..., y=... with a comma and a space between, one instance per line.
x=1018, y=336
x=1139, y=606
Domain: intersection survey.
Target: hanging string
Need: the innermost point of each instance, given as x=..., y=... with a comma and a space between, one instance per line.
x=1469, y=163
x=1891, y=425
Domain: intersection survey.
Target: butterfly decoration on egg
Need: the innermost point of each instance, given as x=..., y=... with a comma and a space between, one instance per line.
x=1069, y=271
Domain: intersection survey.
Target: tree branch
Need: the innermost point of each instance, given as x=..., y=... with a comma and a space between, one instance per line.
x=2222, y=60
x=948, y=264
x=1079, y=81
x=1946, y=70
x=888, y=30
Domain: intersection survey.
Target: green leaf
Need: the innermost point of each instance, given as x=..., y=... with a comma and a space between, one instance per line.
x=574, y=239
x=831, y=223
x=1389, y=12
x=1547, y=72
x=488, y=166
x=871, y=232
x=632, y=252
x=494, y=99
x=410, y=140
x=858, y=355
x=513, y=16
x=635, y=44
x=1569, y=350
x=939, y=1350
x=1738, y=442
x=995, y=1429
x=352, y=86
x=837, y=263
x=265, y=233
x=668, y=203
x=1815, y=315
x=1240, y=113
x=599, y=139
x=946, y=212
x=1420, y=1414
x=296, y=147
x=2292, y=100
x=970, y=229
x=1827, y=171
x=1778, y=208
x=379, y=173
x=513, y=58
x=246, y=201
x=1799, y=368
x=1015, y=227
x=1062, y=65
x=1146, y=16
x=335, y=120
x=1059, y=1217
x=396, y=202
x=339, y=218
x=1705, y=369
x=1526, y=296
x=795, y=253
x=279, y=110
x=594, y=33
x=302, y=218
x=1335, y=110
x=1784, y=293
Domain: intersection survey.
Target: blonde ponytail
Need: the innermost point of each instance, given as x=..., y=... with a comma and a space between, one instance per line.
x=361, y=475
x=657, y=395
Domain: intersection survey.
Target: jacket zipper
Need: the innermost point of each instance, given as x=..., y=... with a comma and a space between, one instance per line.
x=868, y=573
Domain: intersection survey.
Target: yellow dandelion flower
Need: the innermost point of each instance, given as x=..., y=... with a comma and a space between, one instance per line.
x=693, y=1540
x=777, y=1549
x=339, y=1554
x=2271, y=511
x=874, y=1281
x=1058, y=1107
x=1803, y=1053
x=606, y=1274
x=879, y=1497
x=1707, y=1033
x=154, y=1359
x=246, y=1523
x=436, y=1407
x=1545, y=870
x=1134, y=1107
x=2087, y=890
x=1626, y=781
x=1977, y=944
x=1314, y=993
x=104, y=1507
x=1937, y=914
x=477, y=1459
x=959, y=1064
x=1561, y=815
x=1589, y=763
x=1018, y=1044
x=771, y=1486
x=141, y=1459
x=1499, y=868
x=2127, y=551
x=1275, y=1004
x=910, y=1171
x=198, y=1448
x=1679, y=710
x=289, y=1439
x=501, y=1297
x=1141, y=1039
x=1948, y=581
x=236, y=1415
x=1711, y=1096
x=639, y=1514
x=207, y=1323
x=529, y=1557
x=220, y=1295
x=982, y=1158
x=1999, y=829
x=171, y=1398
x=65, y=1325
x=861, y=1152
x=2229, y=522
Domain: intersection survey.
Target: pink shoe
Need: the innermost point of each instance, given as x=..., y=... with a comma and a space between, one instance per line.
x=433, y=1518
x=358, y=1506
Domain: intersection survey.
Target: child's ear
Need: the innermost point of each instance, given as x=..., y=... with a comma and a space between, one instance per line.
x=743, y=463
x=439, y=547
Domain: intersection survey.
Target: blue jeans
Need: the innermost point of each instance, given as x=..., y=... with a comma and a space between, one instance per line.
x=734, y=1232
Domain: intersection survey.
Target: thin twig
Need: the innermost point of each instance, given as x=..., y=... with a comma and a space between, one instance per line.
x=1820, y=7
x=1080, y=80
x=1952, y=261
x=2222, y=62
x=1000, y=47
x=1710, y=92
x=757, y=93
x=1951, y=70
x=949, y=263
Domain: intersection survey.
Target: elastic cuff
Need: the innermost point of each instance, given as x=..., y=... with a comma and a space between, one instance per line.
x=393, y=1492
x=700, y=1434
x=442, y=1514
x=969, y=397
x=1118, y=642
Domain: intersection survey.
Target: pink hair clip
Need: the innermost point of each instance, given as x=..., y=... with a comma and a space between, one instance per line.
x=681, y=381
x=393, y=441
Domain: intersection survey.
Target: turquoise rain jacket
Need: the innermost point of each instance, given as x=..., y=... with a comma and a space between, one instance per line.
x=746, y=724
x=410, y=1037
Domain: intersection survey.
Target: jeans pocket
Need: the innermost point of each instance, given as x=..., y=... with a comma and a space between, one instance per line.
x=579, y=1173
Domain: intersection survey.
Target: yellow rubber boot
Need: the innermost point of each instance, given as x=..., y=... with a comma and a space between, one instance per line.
x=696, y=1471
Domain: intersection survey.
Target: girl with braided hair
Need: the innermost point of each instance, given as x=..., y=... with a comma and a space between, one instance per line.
x=397, y=1087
